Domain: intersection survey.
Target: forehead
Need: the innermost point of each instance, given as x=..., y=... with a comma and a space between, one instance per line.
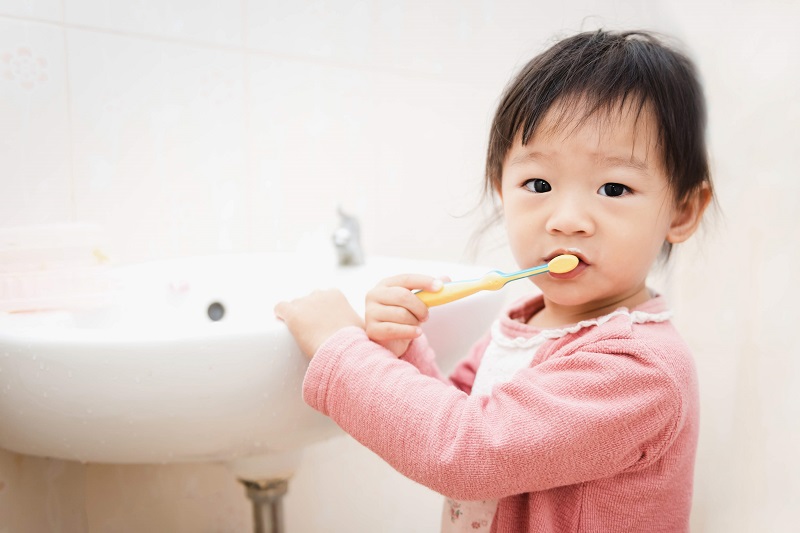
x=626, y=130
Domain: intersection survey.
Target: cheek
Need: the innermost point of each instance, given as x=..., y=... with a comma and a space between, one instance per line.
x=519, y=223
x=640, y=243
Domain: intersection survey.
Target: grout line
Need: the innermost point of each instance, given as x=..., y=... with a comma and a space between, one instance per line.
x=70, y=123
x=249, y=164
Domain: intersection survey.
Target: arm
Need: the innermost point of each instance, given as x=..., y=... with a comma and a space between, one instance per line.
x=422, y=356
x=570, y=419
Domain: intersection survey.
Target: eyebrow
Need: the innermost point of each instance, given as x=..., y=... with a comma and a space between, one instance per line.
x=528, y=156
x=627, y=162
x=602, y=160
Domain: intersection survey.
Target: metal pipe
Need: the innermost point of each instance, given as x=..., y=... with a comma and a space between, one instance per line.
x=267, y=498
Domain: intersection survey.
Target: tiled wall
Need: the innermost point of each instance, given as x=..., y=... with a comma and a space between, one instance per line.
x=183, y=127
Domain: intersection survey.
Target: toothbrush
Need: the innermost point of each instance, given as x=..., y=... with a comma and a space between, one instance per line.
x=493, y=281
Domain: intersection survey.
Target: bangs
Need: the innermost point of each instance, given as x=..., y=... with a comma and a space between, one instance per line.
x=572, y=112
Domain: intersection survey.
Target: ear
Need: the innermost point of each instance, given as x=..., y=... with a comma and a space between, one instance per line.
x=688, y=215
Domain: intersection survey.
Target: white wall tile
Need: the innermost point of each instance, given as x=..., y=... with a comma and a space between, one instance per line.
x=312, y=147
x=403, y=155
x=377, y=499
x=51, y=10
x=430, y=139
x=323, y=29
x=447, y=38
x=35, y=175
x=159, y=144
x=214, y=21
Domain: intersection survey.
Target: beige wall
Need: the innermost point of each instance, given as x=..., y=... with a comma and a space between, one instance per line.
x=208, y=126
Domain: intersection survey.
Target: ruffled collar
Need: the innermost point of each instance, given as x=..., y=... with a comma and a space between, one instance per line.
x=513, y=323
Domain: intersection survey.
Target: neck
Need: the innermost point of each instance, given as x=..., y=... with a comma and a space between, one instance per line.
x=554, y=315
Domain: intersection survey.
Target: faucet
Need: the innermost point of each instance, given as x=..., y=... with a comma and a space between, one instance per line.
x=347, y=240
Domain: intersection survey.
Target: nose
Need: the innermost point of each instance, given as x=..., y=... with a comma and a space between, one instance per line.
x=570, y=215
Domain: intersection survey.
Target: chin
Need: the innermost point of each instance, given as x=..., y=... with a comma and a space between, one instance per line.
x=567, y=298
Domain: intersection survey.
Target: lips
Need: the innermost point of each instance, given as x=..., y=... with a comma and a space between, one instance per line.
x=571, y=251
x=572, y=273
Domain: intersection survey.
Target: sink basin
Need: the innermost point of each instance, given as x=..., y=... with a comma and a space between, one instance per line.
x=186, y=362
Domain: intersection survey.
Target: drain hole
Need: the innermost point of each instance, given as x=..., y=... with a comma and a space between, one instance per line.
x=216, y=311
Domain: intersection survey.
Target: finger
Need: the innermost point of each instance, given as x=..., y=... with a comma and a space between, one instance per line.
x=413, y=281
x=397, y=314
x=397, y=297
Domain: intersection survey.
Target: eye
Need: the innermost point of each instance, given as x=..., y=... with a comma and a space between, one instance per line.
x=537, y=185
x=613, y=189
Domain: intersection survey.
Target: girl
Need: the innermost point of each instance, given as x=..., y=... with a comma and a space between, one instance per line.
x=578, y=411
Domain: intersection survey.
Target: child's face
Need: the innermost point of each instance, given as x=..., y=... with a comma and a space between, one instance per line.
x=598, y=190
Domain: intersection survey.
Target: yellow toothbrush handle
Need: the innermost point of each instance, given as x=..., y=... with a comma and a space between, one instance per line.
x=451, y=292
x=493, y=281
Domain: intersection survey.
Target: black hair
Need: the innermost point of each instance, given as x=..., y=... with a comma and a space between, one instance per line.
x=602, y=71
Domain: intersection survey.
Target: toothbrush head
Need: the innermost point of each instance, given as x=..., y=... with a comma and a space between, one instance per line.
x=561, y=264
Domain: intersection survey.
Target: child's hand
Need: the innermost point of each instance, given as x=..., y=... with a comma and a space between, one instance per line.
x=394, y=313
x=313, y=318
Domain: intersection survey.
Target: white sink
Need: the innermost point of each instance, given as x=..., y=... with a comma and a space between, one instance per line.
x=148, y=377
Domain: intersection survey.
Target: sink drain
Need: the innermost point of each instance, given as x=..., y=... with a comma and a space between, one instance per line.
x=216, y=311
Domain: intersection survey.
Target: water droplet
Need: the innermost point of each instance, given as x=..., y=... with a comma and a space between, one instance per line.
x=34, y=357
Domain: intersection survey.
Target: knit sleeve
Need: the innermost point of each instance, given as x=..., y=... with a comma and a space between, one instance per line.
x=595, y=413
x=422, y=356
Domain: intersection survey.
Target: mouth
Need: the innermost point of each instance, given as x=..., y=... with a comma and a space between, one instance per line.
x=583, y=263
x=569, y=251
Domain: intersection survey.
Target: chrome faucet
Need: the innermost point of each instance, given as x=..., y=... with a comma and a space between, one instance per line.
x=347, y=240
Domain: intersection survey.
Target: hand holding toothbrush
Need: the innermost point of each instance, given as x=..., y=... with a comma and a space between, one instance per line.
x=393, y=313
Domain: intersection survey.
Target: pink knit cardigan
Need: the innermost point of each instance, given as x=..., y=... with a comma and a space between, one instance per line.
x=598, y=435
